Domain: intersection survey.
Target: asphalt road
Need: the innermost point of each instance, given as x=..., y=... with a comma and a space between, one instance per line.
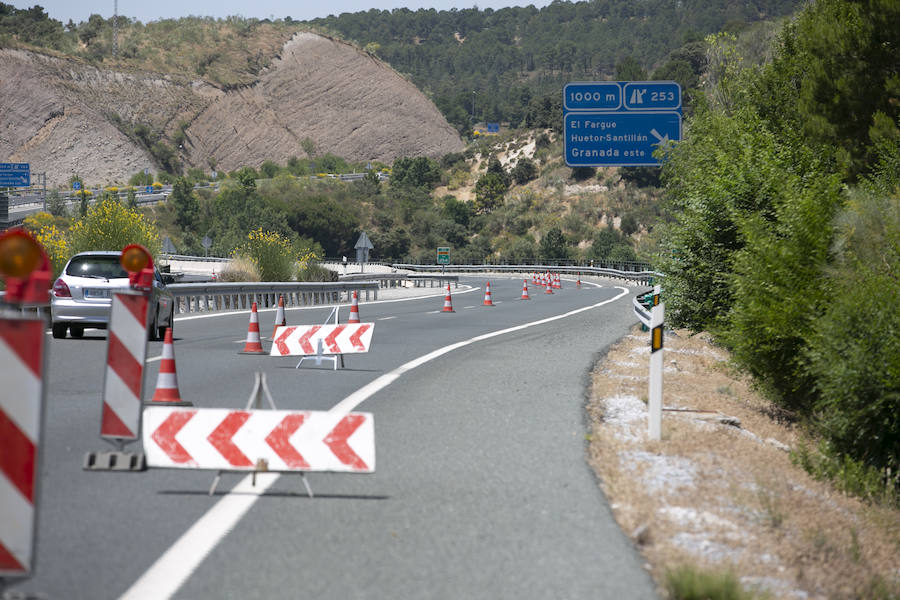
x=481, y=490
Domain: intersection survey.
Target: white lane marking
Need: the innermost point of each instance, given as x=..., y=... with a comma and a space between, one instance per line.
x=173, y=568
x=367, y=391
x=154, y=359
x=317, y=307
x=385, y=318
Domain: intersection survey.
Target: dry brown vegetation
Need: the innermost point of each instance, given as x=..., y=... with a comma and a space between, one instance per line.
x=719, y=491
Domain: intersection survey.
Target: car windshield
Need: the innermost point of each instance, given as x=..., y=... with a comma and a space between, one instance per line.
x=107, y=267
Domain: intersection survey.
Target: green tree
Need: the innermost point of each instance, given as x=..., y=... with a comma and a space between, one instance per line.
x=554, y=245
x=489, y=191
x=524, y=171
x=416, y=172
x=186, y=204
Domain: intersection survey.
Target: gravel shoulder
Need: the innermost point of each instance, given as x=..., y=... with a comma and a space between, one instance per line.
x=719, y=491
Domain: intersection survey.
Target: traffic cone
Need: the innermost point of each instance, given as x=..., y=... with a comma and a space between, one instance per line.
x=253, y=345
x=280, y=321
x=487, y=295
x=167, y=381
x=525, y=290
x=557, y=282
x=549, y=289
x=578, y=282
x=448, y=305
x=354, y=309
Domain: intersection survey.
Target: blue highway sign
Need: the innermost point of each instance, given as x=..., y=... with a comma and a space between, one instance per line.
x=15, y=174
x=618, y=139
x=76, y=185
x=600, y=95
x=651, y=95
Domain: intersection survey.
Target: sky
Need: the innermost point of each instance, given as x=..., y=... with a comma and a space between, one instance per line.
x=142, y=10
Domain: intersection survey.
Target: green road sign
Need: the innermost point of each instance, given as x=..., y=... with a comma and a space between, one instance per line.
x=443, y=256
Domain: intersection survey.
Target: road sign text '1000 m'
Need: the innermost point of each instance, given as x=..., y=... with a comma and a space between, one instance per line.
x=619, y=123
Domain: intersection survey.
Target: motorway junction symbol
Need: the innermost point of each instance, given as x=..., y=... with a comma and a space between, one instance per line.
x=619, y=123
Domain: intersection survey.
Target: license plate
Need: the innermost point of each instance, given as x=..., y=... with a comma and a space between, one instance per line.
x=96, y=293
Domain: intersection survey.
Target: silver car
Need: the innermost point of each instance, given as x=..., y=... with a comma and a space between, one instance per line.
x=82, y=296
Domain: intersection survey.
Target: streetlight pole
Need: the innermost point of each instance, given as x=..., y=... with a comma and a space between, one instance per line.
x=473, y=108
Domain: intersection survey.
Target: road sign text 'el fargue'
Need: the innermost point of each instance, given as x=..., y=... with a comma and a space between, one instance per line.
x=619, y=123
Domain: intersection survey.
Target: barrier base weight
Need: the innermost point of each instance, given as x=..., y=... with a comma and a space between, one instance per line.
x=115, y=461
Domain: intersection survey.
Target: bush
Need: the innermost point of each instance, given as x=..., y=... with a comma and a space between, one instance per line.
x=316, y=272
x=688, y=583
x=48, y=235
x=108, y=225
x=240, y=269
x=272, y=253
x=854, y=354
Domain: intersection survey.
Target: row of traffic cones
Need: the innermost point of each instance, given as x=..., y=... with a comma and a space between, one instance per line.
x=488, y=299
x=167, y=392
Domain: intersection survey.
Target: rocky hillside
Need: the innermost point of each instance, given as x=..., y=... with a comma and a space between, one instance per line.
x=66, y=117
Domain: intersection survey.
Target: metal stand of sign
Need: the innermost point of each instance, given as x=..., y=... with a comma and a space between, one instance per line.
x=320, y=350
x=254, y=402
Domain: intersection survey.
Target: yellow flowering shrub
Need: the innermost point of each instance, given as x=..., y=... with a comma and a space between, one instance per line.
x=109, y=225
x=272, y=253
x=54, y=242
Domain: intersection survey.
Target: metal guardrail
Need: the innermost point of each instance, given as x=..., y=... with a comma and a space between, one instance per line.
x=636, y=276
x=214, y=297
x=641, y=311
x=398, y=279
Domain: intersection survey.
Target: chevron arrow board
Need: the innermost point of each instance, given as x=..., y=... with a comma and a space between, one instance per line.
x=303, y=340
x=250, y=440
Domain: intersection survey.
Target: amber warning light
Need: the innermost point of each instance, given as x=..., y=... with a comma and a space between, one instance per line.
x=137, y=261
x=25, y=267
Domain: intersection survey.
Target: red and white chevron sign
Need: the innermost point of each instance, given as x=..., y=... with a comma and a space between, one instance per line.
x=123, y=380
x=303, y=340
x=237, y=440
x=21, y=368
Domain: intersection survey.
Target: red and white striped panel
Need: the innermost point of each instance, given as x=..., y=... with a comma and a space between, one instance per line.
x=123, y=381
x=236, y=440
x=303, y=340
x=21, y=369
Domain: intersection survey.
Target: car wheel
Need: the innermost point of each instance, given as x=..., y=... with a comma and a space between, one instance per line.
x=59, y=330
x=77, y=331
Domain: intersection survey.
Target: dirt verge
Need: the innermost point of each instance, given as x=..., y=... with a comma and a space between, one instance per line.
x=719, y=491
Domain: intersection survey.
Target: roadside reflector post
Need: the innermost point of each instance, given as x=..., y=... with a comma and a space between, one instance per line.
x=654, y=408
x=126, y=354
x=26, y=270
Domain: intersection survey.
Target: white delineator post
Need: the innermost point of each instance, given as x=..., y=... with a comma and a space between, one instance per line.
x=654, y=408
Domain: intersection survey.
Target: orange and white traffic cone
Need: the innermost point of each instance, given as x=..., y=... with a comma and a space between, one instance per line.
x=167, y=380
x=253, y=344
x=354, y=309
x=488, y=301
x=557, y=282
x=280, y=321
x=578, y=282
x=525, y=290
x=448, y=305
x=549, y=289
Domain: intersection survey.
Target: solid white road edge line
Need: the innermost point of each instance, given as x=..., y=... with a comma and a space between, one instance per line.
x=173, y=568
x=177, y=563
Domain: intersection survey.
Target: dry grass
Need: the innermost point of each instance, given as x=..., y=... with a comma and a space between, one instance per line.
x=721, y=496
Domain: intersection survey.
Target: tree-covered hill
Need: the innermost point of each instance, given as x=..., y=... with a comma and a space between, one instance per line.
x=511, y=57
